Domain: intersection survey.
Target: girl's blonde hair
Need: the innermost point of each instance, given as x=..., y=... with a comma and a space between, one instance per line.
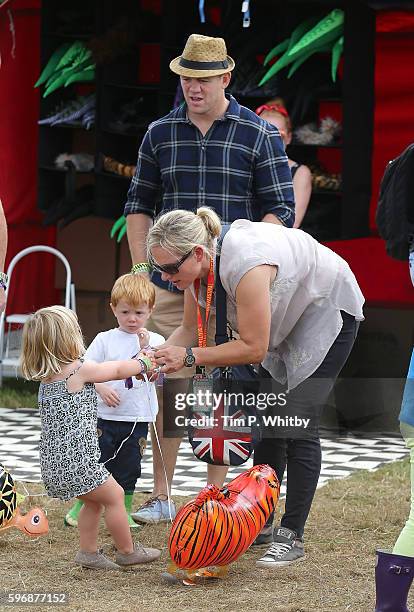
x=52, y=337
x=180, y=231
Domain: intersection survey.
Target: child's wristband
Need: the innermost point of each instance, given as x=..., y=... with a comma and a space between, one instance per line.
x=141, y=267
x=146, y=364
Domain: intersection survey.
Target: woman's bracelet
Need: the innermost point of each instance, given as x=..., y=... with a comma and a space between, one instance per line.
x=141, y=267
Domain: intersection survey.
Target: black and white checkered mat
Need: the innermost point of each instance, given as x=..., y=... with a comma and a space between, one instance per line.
x=20, y=431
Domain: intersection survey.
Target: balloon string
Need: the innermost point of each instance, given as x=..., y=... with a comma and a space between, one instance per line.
x=148, y=388
x=165, y=471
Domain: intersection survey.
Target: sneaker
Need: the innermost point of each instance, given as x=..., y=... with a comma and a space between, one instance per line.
x=286, y=549
x=96, y=560
x=155, y=510
x=266, y=534
x=139, y=555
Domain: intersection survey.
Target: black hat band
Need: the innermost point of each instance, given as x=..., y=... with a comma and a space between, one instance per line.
x=184, y=63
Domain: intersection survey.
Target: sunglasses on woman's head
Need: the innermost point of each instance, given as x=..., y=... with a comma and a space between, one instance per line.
x=172, y=268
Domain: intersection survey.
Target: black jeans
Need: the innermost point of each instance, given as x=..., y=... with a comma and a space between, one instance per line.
x=303, y=456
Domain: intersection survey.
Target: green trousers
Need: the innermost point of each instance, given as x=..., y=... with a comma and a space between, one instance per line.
x=405, y=543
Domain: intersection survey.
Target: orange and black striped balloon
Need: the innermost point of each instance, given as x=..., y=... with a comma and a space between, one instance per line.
x=220, y=524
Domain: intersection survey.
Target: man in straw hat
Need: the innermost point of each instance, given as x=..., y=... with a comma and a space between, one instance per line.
x=210, y=151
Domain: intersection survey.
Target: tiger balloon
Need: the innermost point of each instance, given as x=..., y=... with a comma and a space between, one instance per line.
x=219, y=525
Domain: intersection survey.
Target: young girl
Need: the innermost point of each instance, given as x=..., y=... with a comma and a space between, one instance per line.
x=274, y=112
x=69, y=451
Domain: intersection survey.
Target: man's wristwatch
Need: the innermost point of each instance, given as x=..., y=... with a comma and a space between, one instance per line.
x=189, y=359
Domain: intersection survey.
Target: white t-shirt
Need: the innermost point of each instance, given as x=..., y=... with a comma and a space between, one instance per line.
x=139, y=403
x=313, y=284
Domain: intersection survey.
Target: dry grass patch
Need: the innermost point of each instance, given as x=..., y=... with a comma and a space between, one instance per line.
x=349, y=520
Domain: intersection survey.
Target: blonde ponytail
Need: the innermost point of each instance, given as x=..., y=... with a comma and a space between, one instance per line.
x=179, y=231
x=211, y=220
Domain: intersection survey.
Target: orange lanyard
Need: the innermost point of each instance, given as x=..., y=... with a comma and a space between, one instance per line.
x=202, y=331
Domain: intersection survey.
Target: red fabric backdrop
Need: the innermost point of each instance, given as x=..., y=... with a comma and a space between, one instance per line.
x=385, y=281
x=33, y=285
x=394, y=95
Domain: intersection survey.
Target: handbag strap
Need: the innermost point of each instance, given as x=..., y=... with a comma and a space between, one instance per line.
x=221, y=297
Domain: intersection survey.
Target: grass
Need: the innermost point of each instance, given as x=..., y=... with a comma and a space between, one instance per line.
x=350, y=518
x=18, y=393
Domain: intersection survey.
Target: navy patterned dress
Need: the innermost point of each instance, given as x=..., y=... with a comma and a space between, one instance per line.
x=68, y=447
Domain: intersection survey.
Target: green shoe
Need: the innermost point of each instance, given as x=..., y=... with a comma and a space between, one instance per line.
x=128, y=507
x=71, y=519
x=132, y=524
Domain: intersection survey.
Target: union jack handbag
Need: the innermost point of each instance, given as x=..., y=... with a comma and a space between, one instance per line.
x=226, y=431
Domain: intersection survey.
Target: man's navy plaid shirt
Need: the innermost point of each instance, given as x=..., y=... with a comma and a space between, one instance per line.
x=239, y=168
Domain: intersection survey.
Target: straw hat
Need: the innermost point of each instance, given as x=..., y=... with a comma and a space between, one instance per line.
x=203, y=56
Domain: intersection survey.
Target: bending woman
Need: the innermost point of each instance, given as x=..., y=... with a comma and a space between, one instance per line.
x=296, y=307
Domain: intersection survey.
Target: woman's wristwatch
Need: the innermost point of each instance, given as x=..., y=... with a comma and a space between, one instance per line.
x=189, y=359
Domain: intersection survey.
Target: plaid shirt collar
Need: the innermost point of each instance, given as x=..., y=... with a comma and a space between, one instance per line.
x=232, y=112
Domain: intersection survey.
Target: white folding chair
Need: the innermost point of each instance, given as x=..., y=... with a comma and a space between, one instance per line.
x=10, y=341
